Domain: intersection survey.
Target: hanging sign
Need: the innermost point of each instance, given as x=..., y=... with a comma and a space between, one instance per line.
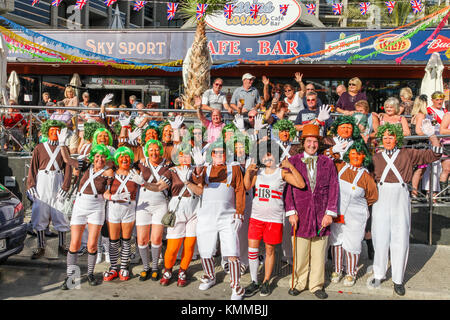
x=273, y=16
x=398, y=48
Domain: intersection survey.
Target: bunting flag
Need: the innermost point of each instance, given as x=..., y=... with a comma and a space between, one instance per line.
x=110, y=2
x=228, y=10
x=283, y=9
x=138, y=5
x=171, y=10
x=34, y=2
x=254, y=9
x=311, y=8
x=416, y=5
x=56, y=3
x=80, y=4
x=337, y=9
x=390, y=6
x=201, y=10
x=364, y=7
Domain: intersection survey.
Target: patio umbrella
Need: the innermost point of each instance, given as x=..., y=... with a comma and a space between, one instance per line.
x=3, y=75
x=14, y=86
x=76, y=83
x=432, y=81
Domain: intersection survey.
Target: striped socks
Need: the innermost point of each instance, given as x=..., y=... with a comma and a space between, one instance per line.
x=156, y=250
x=114, y=246
x=144, y=252
x=337, y=253
x=352, y=263
x=235, y=273
x=92, y=258
x=208, y=267
x=253, y=263
x=71, y=262
x=41, y=238
x=125, y=253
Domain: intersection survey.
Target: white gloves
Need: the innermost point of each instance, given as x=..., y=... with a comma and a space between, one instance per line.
x=62, y=136
x=183, y=174
x=176, y=124
x=199, y=158
x=107, y=99
x=339, y=147
x=324, y=113
x=239, y=121
x=124, y=121
x=136, y=178
x=427, y=128
x=237, y=222
x=120, y=196
x=133, y=135
x=259, y=122
x=61, y=195
x=32, y=193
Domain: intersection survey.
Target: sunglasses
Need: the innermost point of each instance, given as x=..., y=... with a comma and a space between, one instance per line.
x=218, y=84
x=352, y=84
x=251, y=117
x=310, y=100
x=219, y=153
x=287, y=90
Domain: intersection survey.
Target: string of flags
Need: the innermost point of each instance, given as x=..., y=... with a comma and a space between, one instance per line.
x=416, y=5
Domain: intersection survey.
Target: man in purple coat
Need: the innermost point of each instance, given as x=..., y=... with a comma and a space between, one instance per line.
x=312, y=210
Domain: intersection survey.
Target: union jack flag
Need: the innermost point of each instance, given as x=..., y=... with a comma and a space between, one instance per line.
x=80, y=4
x=311, y=8
x=283, y=9
x=34, y=2
x=201, y=10
x=109, y=2
x=364, y=7
x=171, y=10
x=390, y=6
x=56, y=3
x=138, y=5
x=228, y=10
x=416, y=5
x=254, y=9
x=337, y=9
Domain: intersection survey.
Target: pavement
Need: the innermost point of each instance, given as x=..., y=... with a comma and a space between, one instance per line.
x=426, y=276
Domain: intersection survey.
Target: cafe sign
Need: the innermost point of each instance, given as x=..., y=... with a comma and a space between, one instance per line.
x=272, y=17
x=391, y=46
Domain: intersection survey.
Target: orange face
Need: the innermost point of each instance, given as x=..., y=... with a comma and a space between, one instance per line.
x=151, y=134
x=284, y=135
x=103, y=138
x=356, y=158
x=154, y=153
x=53, y=133
x=345, y=130
x=124, y=162
x=389, y=141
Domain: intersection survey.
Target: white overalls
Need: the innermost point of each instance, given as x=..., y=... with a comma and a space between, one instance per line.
x=215, y=216
x=151, y=206
x=186, y=213
x=391, y=224
x=121, y=212
x=48, y=183
x=353, y=206
x=89, y=208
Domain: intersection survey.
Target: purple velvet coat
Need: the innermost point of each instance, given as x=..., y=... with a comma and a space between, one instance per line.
x=312, y=206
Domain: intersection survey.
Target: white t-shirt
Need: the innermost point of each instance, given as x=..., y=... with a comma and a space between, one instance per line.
x=215, y=101
x=295, y=106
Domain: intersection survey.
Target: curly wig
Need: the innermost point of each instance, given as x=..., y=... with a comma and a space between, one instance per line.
x=229, y=127
x=123, y=151
x=197, y=126
x=285, y=125
x=90, y=128
x=359, y=146
x=49, y=124
x=99, y=149
x=346, y=119
x=152, y=141
x=97, y=132
x=144, y=132
x=184, y=148
x=393, y=129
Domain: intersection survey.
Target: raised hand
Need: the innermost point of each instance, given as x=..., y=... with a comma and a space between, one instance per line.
x=239, y=121
x=62, y=136
x=427, y=127
x=324, y=113
x=107, y=99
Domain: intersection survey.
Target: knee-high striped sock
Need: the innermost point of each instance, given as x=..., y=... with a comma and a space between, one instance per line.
x=62, y=239
x=125, y=253
x=253, y=263
x=92, y=258
x=41, y=238
x=235, y=273
x=156, y=249
x=337, y=253
x=352, y=263
x=71, y=262
x=114, y=246
x=208, y=267
x=144, y=252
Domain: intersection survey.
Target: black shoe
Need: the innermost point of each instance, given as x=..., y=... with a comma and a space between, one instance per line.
x=399, y=289
x=92, y=280
x=251, y=289
x=265, y=289
x=321, y=294
x=37, y=253
x=370, y=250
x=156, y=274
x=294, y=292
x=64, y=286
x=145, y=275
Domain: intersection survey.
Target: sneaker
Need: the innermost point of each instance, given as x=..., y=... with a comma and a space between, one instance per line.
x=238, y=293
x=144, y=275
x=110, y=275
x=252, y=289
x=349, y=281
x=265, y=289
x=124, y=275
x=165, y=279
x=207, y=282
x=399, y=289
x=226, y=267
x=181, y=278
x=243, y=269
x=37, y=253
x=336, y=277
x=92, y=280
x=156, y=274
x=82, y=251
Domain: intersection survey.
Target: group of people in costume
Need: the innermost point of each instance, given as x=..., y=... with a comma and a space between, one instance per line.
x=166, y=182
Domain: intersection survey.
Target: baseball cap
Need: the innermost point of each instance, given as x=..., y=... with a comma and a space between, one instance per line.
x=248, y=76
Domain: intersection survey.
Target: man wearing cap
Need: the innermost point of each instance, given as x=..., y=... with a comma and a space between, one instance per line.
x=247, y=94
x=311, y=211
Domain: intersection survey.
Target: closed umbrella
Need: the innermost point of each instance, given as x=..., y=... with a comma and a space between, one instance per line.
x=14, y=86
x=3, y=75
x=76, y=83
x=432, y=81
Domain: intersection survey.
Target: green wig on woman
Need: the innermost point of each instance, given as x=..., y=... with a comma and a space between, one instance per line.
x=359, y=146
x=393, y=129
x=98, y=131
x=90, y=128
x=99, y=149
x=346, y=119
x=150, y=142
x=123, y=151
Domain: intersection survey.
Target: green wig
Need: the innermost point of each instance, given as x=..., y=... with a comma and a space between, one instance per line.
x=285, y=125
x=145, y=131
x=49, y=124
x=219, y=143
x=99, y=149
x=90, y=128
x=97, y=132
x=359, y=146
x=346, y=119
x=185, y=148
x=197, y=126
x=152, y=141
x=229, y=127
x=161, y=128
x=393, y=129
x=241, y=138
x=123, y=151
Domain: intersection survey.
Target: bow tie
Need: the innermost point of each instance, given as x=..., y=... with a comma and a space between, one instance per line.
x=309, y=161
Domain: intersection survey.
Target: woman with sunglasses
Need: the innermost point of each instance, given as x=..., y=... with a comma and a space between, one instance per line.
x=347, y=100
x=294, y=99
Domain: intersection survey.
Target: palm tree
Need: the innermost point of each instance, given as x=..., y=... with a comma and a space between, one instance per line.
x=199, y=65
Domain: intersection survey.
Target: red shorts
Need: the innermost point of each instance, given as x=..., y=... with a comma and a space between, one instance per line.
x=270, y=232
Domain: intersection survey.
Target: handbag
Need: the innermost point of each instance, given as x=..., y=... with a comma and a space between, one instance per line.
x=169, y=218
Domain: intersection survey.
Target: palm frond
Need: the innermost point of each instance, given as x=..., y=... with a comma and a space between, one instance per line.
x=188, y=8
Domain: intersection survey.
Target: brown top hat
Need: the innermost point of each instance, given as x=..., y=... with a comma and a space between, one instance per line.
x=311, y=130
